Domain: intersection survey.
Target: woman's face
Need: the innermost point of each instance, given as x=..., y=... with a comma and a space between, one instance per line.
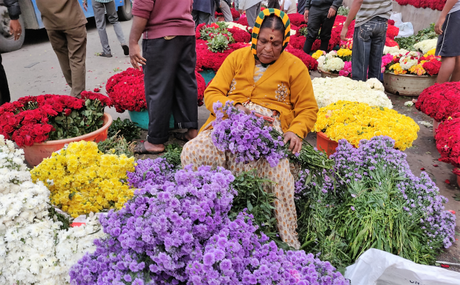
x=269, y=45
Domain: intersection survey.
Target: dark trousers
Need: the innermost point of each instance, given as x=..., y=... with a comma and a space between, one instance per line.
x=170, y=85
x=4, y=90
x=368, y=44
x=317, y=19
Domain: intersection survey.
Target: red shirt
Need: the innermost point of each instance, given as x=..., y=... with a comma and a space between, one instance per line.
x=165, y=17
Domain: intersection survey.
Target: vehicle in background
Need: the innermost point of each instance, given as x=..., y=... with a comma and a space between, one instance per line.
x=31, y=19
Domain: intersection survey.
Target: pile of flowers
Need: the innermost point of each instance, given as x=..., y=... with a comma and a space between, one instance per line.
x=36, y=119
x=380, y=202
x=330, y=90
x=440, y=101
x=434, y=4
x=245, y=135
x=34, y=248
x=427, y=46
x=178, y=231
x=414, y=63
x=330, y=62
x=355, y=121
x=309, y=61
x=126, y=90
x=448, y=141
x=83, y=180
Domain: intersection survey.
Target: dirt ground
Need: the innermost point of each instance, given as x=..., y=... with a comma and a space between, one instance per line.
x=423, y=154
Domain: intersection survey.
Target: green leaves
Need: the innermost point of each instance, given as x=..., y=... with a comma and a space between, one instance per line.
x=172, y=154
x=125, y=128
x=425, y=34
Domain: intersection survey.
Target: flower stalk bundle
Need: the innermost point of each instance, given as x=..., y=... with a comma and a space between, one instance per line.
x=83, y=180
x=356, y=121
x=37, y=119
x=251, y=139
x=371, y=199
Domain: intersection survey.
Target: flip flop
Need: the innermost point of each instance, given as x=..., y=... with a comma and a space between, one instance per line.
x=181, y=137
x=140, y=149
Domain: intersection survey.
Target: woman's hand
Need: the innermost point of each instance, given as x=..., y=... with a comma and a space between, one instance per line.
x=295, y=144
x=243, y=109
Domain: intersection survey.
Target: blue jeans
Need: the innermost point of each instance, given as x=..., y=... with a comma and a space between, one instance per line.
x=368, y=44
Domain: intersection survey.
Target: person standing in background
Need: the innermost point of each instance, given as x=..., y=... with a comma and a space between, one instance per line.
x=99, y=8
x=65, y=22
x=203, y=11
x=15, y=30
x=252, y=9
x=320, y=14
x=448, y=46
x=273, y=4
x=225, y=8
x=369, y=36
x=168, y=59
x=289, y=6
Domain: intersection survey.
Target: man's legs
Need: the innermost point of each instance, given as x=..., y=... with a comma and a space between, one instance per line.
x=325, y=33
x=456, y=73
x=315, y=20
x=252, y=13
x=226, y=11
x=377, y=45
x=58, y=41
x=113, y=19
x=185, y=106
x=159, y=79
x=99, y=16
x=361, y=52
x=447, y=69
x=76, y=39
x=4, y=90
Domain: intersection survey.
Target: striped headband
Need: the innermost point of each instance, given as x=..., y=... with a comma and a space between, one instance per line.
x=260, y=19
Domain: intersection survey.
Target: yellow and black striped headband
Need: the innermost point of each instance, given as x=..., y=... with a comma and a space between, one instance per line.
x=260, y=19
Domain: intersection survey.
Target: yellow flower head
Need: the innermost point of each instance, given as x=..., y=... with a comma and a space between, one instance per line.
x=344, y=53
x=355, y=121
x=317, y=54
x=430, y=52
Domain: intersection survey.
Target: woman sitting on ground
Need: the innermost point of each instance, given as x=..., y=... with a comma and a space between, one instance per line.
x=264, y=79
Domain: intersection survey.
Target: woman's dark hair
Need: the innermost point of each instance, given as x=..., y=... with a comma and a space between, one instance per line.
x=273, y=22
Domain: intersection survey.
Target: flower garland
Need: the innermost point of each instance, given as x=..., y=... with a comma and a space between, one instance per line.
x=331, y=90
x=126, y=90
x=34, y=249
x=83, y=180
x=355, y=121
x=448, y=140
x=36, y=119
x=440, y=101
x=434, y=4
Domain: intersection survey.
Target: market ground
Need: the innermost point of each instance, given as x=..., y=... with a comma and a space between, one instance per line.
x=34, y=70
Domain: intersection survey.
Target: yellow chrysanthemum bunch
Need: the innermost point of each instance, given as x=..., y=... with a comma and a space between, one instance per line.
x=82, y=180
x=355, y=121
x=344, y=53
x=418, y=69
x=430, y=52
x=397, y=69
x=317, y=54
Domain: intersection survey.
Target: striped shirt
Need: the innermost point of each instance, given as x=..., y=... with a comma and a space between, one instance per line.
x=373, y=8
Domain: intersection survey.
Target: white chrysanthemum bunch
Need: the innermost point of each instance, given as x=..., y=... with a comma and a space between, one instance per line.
x=394, y=51
x=409, y=60
x=330, y=62
x=33, y=249
x=426, y=45
x=330, y=90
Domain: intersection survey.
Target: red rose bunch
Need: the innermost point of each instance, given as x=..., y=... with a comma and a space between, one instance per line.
x=309, y=61
x=296, y=19
x=35, y=119
x=201, y=84
x=206, y=59
x=242, y=21
x=235, y=13
x=440, y=101
x=448, y=140
x=432, y=64
x=239, y=35
x=392, y=31
x=432, y=4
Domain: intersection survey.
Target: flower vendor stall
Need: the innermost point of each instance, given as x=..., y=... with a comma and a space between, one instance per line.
x=334, y=63
x=440, y=102
x=354, y=121
x=43, y=124
x=126, y=90
x=410, y=73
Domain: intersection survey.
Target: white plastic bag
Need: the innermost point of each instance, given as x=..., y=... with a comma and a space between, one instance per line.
x=377, y=267
x=406, y=29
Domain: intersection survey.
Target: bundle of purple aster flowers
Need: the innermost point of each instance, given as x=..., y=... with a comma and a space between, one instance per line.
x=246, y=135
x=176, y=230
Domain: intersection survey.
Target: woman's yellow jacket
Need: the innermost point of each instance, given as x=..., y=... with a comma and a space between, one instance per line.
x=285, y=87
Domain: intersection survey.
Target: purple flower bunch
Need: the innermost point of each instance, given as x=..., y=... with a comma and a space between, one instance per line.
x=159, y=231
x=237, y=255
x=149, y=171
x=377, y=160
x=246, y=135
